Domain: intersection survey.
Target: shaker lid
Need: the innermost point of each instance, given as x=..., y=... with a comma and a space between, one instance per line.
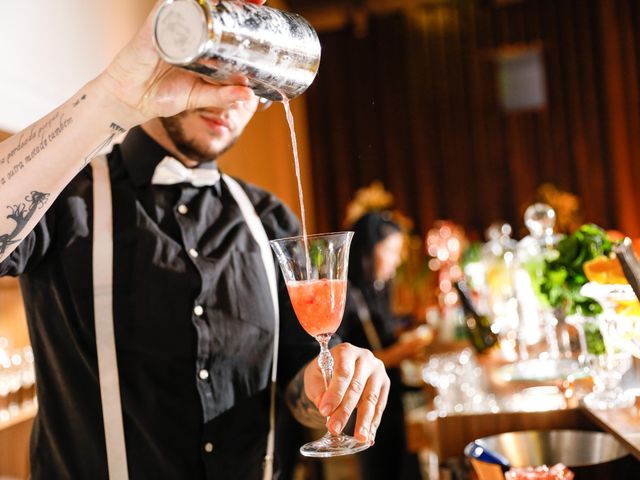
x=181, y=31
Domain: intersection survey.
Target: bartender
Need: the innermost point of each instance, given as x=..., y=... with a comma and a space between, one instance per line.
x=155, y=239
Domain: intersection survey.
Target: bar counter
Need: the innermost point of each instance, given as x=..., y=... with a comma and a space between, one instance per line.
x=447, y=435
x=624, y=424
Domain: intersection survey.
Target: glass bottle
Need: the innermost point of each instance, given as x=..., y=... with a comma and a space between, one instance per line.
x=482, y=337
x=500, y=261
x=537, y=320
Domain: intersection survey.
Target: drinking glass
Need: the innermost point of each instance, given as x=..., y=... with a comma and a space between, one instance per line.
x=607, y=371
x=608, y=368
x=315, y=271
x=460, y=384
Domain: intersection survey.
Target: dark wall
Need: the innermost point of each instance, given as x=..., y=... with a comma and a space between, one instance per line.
x=414, y=103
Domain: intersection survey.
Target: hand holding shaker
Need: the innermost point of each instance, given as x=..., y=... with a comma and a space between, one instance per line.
x=277, y=52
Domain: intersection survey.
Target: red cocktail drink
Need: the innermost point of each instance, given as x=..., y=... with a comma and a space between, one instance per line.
x=319, y=304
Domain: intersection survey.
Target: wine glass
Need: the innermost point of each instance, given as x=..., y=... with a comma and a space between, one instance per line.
x=315, y=271
x=607, y=369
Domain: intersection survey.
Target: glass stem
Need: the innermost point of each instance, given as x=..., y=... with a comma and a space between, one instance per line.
x=551, y=332
x=325, y=360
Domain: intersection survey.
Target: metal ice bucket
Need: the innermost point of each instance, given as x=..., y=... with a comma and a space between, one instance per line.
x=590, y=455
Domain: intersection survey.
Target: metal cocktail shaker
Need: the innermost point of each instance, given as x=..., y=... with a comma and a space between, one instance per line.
x=278, y=52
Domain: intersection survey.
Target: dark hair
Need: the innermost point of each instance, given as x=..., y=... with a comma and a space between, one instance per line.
x=369, y=230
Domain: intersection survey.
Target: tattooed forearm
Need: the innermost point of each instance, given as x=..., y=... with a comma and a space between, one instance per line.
x=21, y=214
x=115, y=130
x=34, y=141
x=303, y=409
x=80, y=99
x=31, y=144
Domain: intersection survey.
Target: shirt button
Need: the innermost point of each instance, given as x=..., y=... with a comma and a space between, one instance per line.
x=183, y=210
x=198, y=310
x=208, y=447
x=203, y=374
x=194, y=253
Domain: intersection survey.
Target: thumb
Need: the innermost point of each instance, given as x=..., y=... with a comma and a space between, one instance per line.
x=314, y=383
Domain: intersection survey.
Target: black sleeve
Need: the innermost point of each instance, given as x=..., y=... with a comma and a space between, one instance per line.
x=297, y=347
x=66, y=219
x=351, y=327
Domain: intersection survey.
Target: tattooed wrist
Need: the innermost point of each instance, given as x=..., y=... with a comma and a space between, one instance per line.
x=115, y=131
x=301, y=406
x=117, y=128
x=21, y=214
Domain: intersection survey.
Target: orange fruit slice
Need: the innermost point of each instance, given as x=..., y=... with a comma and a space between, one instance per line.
x=629, y=309
x=615, y=235
x=604, y=270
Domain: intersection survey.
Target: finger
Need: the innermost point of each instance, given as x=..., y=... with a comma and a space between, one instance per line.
x=377, y=417
x=359, y=381
x=344, y=367
x=205, y=94
x=146, y=31
x=367, y=406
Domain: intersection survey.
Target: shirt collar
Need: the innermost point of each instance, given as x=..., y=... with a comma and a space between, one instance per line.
x=141, y=154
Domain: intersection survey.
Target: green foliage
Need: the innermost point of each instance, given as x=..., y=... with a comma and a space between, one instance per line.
x=564, y=276
x=471, y=254
x=593, y=336
x=316, y=252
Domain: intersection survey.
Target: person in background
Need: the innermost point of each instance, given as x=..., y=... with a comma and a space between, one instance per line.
x=376, y=253
x=193, y=314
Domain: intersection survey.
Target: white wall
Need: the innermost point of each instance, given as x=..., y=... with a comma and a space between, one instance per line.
x=50, y=48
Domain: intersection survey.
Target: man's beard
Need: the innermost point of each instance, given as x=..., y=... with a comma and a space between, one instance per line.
x=188, y=146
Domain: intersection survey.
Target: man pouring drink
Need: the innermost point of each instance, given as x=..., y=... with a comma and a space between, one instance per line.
x=154, y=239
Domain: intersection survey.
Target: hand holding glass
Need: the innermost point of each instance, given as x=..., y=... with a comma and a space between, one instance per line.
x=315, y=271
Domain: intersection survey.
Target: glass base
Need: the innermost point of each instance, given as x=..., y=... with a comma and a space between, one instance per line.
x=333, y=446
x=609, y=400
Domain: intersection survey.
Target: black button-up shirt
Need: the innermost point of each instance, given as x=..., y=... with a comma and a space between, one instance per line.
x=193, y=324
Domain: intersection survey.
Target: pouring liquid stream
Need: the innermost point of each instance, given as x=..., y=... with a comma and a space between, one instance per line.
x=296, y=160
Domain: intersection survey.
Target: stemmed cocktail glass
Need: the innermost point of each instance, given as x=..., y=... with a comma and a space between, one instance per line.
x=608, y=368
x=315, y=271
